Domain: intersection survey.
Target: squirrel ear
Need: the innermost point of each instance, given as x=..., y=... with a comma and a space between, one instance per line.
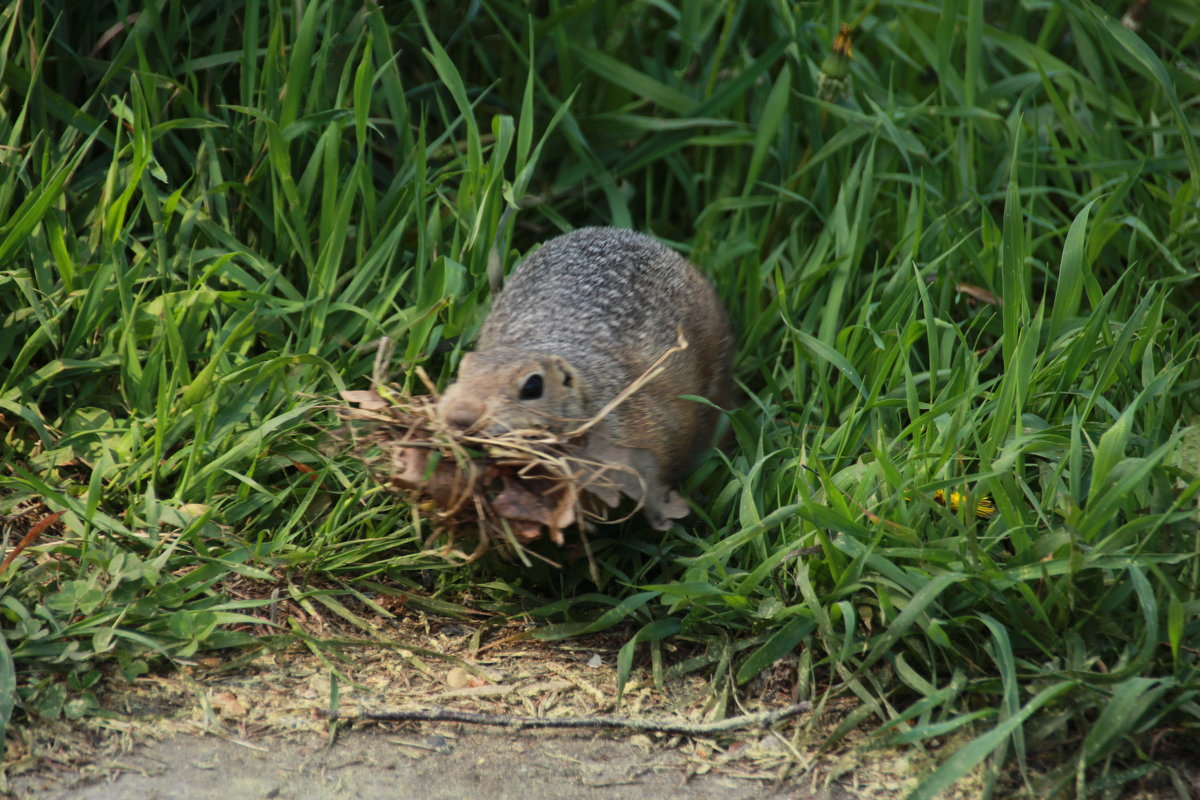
x=566, y=373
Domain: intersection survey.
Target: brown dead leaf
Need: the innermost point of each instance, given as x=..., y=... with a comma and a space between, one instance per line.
x=227, y=704
x=529, y=505
x=446, y=484
x=980, y=294
x=368, y=400
x=459, y=678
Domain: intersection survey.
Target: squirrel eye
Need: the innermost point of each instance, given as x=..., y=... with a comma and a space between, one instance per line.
x=531, y=389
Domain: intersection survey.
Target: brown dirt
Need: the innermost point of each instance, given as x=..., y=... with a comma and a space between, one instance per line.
x=380, y=764
x=225, y=729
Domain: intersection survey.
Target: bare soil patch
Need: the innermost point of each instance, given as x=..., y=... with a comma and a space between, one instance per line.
x=223, y=728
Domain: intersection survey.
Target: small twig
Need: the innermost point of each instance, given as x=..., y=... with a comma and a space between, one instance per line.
x=27, y=539
x=429, y=384
x=762, y=719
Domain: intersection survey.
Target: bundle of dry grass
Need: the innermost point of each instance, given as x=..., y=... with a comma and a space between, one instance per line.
x=511, y=488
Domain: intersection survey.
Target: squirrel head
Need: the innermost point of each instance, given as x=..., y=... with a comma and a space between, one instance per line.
x=511, y=389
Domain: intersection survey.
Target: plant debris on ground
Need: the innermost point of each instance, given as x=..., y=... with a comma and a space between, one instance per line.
x=513, y=487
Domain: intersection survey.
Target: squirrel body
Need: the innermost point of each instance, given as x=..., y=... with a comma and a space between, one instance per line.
x=579, y=320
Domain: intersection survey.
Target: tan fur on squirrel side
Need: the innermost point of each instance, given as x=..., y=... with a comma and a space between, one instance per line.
x=578, y=322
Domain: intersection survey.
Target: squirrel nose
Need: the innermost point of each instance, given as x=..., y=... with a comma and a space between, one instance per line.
x=461, y=415
x=460, y=421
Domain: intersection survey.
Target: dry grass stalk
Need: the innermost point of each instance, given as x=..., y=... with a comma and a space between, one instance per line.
x=510, y=488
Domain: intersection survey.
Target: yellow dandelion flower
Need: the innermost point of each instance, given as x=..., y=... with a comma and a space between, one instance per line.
x=985, y=507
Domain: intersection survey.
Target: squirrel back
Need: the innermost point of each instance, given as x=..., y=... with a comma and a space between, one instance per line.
x=578, y=322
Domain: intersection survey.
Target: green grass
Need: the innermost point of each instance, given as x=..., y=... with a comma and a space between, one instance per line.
x=208, y=216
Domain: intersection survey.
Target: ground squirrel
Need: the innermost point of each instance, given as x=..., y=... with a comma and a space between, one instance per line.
x=578, y=322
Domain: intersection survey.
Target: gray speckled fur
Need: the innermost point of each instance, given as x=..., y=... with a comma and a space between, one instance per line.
x=610, y=302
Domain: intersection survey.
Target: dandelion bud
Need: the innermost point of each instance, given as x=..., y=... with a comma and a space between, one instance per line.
x=833, y=82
